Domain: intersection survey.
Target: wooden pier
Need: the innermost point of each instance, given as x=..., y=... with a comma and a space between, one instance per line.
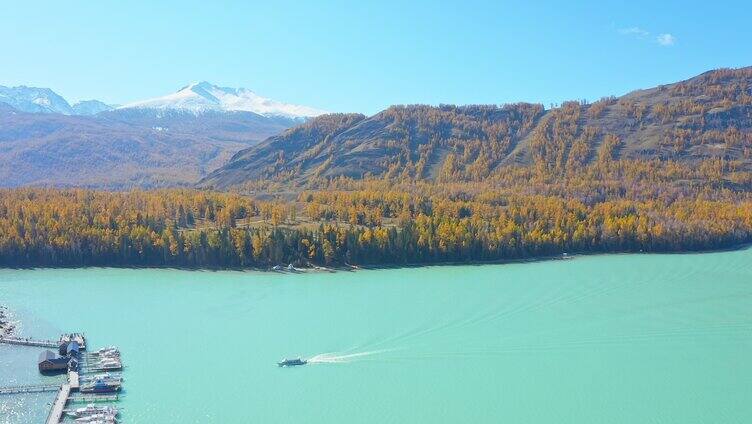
x=56, y=413
x=73, y=380
x=29, y=388
x=63, y=396
x=28, y=342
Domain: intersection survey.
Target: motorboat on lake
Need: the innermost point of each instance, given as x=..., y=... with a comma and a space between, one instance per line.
x=292, y=362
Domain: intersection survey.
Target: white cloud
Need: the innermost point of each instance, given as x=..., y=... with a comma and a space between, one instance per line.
x=635, y=31
x=666, y=39
x=663, y=39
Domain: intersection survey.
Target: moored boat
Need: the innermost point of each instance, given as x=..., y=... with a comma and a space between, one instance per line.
x=107, y=378
x=97, y=419
x=91, y=410
x=100, y=386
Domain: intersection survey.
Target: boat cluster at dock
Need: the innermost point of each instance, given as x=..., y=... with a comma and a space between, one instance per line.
x=107, y=358
x=91, y=378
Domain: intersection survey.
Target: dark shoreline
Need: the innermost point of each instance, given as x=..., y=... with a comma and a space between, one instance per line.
x=568, y=256
x=350, y=268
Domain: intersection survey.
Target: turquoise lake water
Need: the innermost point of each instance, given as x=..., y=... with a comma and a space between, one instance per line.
x=599, y=339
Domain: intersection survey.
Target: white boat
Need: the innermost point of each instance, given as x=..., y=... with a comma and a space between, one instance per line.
x=104, y=376
x=106, y=358
x=92, y=409
x=97, y=418
x=106, y=350
x=108, y=353
x=112, y=366
x=111, y=420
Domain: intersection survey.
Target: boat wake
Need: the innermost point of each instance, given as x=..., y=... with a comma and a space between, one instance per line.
x=343, y=358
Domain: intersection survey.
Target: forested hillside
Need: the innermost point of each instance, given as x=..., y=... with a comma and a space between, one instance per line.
x=666, y=169
x=706, y=117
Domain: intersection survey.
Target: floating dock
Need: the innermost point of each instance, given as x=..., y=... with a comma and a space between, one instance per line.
x=93, y=398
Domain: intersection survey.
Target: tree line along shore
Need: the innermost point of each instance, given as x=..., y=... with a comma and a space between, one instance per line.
x=619, y=207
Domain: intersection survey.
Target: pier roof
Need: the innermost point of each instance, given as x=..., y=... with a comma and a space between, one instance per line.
x=72, y=348
x=47, y=355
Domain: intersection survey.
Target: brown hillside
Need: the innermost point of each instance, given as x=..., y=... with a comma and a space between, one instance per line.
x=709, y=116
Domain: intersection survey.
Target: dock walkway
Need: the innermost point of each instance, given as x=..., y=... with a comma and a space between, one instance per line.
x=28, y=342
x=56, y=413
x=73, y=380
x=29, y=388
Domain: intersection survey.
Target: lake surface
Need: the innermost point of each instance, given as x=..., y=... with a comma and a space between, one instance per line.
x=599, y=339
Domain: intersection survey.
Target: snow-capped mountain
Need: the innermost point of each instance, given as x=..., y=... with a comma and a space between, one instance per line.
x=44, y=100
x=194, y=98
x=90, y=107
x=34, y=100
x=156, y=143
x=203, y=96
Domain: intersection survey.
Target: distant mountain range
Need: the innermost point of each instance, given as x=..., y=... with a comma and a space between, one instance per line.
x=166, y=141
x=35, y=100
x=709, y=116
x=195, y=98
x=226, y=138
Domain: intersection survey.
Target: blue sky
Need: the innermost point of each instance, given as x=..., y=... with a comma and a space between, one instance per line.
x=364, y=56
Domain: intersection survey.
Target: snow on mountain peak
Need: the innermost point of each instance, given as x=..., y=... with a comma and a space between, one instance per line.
x=204, y=96
x=34, y=100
